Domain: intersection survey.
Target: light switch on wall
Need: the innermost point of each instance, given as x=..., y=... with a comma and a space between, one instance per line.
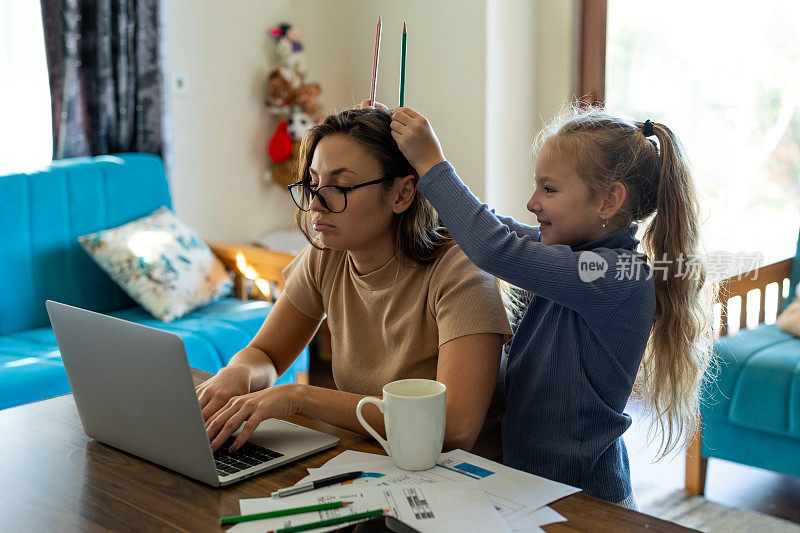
x=180, y=83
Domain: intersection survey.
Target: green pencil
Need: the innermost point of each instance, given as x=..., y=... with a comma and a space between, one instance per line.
x=332, y=521
x=403, y=68
x=282, y=512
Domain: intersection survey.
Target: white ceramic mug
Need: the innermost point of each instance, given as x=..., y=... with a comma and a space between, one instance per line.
x=414, y=415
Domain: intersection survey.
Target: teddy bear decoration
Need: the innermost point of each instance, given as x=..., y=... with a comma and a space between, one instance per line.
x=294, y=101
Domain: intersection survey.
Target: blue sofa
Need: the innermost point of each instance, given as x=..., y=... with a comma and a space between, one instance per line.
x=751, y=400
x=41, y=216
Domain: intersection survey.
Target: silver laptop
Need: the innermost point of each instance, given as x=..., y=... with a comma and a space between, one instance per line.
x=134, y=391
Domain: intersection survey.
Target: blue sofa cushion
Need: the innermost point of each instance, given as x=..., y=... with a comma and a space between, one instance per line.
x=29, y=371
x=751, y=447
x=42, y=214
x=758, y=382
x=31, y=367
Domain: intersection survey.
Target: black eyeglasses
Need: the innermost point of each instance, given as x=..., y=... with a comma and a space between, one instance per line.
x=332, y=197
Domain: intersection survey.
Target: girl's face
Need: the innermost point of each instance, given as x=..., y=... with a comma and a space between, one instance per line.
x=366, y=222
x=567, y=212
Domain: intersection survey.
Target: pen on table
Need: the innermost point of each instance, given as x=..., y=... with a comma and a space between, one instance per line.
x=282, y=512
x=297, y=489
x=332, y=521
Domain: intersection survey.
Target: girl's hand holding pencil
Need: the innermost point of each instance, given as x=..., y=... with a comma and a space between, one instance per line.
x=416, y=139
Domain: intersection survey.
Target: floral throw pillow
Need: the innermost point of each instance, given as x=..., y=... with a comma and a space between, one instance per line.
x=161, y=263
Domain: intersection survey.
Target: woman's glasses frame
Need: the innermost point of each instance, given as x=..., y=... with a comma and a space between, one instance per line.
x=304, y=189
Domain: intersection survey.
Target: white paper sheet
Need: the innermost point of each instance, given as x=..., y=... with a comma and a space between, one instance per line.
x=443, y=507
x=531, y=522
x=529, y=528
x=353, y=457
x=515, y=494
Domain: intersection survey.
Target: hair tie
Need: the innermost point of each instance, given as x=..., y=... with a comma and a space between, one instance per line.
x=648, y=128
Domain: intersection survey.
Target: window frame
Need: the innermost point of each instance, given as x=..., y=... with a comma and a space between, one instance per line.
x=594, y=14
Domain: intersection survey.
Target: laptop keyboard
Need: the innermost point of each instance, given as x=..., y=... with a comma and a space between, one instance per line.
x=245, y=457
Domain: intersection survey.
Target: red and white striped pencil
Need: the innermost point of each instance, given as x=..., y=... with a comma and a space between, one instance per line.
x=375, y=63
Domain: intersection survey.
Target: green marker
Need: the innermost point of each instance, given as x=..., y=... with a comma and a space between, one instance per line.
x=333, y=521
x=282, y=512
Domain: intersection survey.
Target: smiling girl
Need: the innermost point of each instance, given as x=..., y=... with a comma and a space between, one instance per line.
x=603, y=318
x=401, y=298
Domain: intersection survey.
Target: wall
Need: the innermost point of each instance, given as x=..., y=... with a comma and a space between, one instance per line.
x=462, y=70
x=221, y=127
x=532, y=69
x=445, y=69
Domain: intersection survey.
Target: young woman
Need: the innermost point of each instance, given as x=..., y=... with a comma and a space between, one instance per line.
x=402, y=299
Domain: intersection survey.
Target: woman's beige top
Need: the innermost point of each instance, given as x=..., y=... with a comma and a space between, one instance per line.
x=390, y=323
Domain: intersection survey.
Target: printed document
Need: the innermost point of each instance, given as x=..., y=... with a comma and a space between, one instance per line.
x=515, y=494
x=452, y=506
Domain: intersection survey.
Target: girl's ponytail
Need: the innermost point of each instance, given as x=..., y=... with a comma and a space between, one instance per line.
x=679, y=349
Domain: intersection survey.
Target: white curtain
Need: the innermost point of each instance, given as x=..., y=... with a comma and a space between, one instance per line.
x=26, y=141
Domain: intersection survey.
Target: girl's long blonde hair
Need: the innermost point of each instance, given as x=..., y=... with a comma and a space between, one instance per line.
x=658, y=180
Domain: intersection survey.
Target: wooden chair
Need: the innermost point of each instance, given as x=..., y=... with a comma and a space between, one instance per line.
x=698, y=452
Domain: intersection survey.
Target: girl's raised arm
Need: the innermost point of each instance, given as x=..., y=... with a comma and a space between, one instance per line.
x=554, y=272
x=504, y=248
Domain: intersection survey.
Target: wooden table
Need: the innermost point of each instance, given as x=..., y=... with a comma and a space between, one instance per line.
x=54, y=478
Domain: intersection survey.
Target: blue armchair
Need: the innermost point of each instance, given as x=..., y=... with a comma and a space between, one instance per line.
x=41, y=216
x=751, y=401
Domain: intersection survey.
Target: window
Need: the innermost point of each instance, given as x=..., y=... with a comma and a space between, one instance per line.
x=725, y=79
x=26, y=141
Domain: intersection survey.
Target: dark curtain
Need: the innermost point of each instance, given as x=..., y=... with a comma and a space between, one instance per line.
x=105, y=66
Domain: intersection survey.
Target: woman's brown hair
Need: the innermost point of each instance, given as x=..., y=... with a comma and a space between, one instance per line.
x=418, y=235
x=655, y=172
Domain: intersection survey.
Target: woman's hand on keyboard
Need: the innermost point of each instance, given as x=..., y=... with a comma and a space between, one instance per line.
x=216, y=392
x=250, y=409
